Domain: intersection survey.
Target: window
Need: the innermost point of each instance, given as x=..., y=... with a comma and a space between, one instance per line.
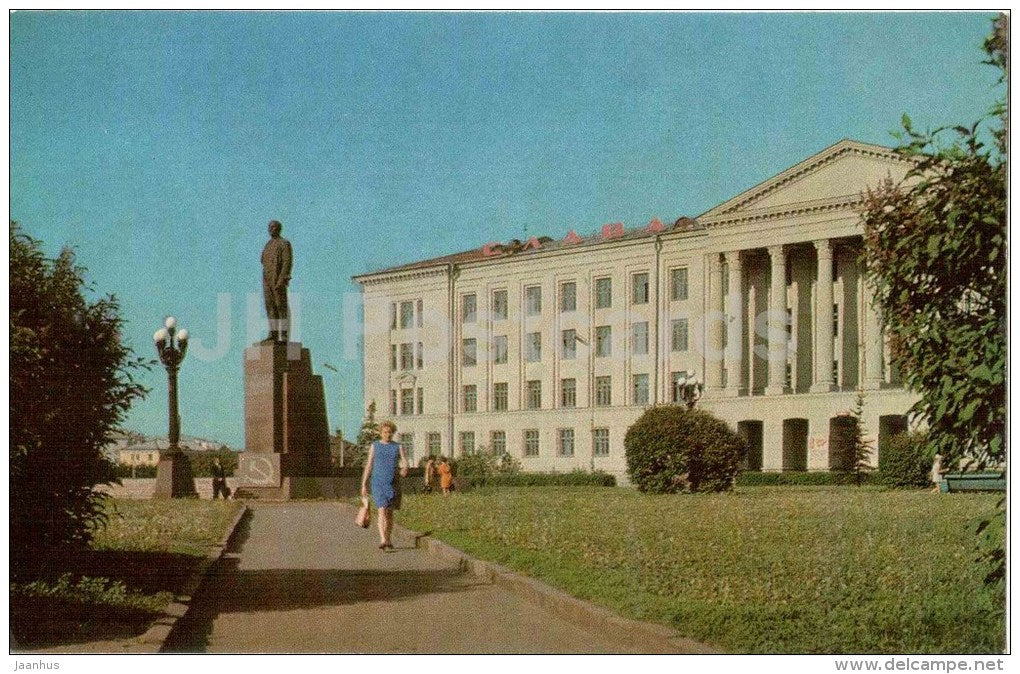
x=500, y=351
x=531, y=442
x=500, y=395
x=534, y=344
x=835, y=320
x=470, y=398
x=419, y=313
x=406, y=356
x=407, y=314
x=435, y=444
x=533, y=300
x=534, y=394
x=679, y=326
x=499, y=305
x=393, y=356
x=603, y=293
x=421, y=400
x=603, y=341
x=497, y=442
x=600, y=437
x=469, y=352
x=603, y=391
x=565, y=446
x=639, y=338
x=420, y=360
x=393, y=316
x=568, y=296
x=407, y=441
x=568, y=393
x=641, y=389
x=569, y=344
x=678, y=284
x=393, y=402
x=406, y=401
x=468, y=308
x=640, y=288
x=677, y=379
x=467, y=443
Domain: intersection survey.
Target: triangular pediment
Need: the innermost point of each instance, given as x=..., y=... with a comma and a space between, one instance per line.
x=841, y=170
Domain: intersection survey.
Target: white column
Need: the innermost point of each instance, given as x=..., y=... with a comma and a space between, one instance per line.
x=777, y=322
x=713, y=316
x=823, y=320
x=734, y=326
x=874, y=346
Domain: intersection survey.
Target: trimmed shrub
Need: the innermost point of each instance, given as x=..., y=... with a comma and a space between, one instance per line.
x=671, y=449
x=750, y=478
x=906, y=460
x=576, y=478
x=124, y=471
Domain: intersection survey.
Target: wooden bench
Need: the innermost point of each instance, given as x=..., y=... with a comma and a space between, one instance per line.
x=953, y=482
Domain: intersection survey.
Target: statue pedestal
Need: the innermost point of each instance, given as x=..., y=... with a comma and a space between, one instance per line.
x=174, y=478
x=285, y=426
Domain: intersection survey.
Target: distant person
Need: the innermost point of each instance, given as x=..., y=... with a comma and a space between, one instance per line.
x=219, y=480
x=445, y=476
x=381, y=466
x=430, y=474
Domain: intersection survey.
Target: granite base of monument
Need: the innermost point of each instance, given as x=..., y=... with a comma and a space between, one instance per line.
x=286, y=434
x=174, y=478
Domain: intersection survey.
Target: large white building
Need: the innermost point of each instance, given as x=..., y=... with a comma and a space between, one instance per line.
x=551, y=349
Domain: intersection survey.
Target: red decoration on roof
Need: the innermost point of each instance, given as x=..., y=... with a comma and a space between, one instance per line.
x=531, y=243
x=655, y=226
x=572, y=237
x=613, y=230
x=492, y=248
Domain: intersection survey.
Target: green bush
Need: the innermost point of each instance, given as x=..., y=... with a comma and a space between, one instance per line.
x=123, y=470
x=576, y=478
x=750, y=478
x=672, y=449
x=906, y=460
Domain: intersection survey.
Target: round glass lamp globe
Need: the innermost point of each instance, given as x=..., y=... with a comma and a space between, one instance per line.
x=161, y=335
x=182, y=336
x=170, y=323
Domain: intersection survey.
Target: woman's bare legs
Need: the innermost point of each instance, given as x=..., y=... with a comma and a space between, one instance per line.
x=385, y=525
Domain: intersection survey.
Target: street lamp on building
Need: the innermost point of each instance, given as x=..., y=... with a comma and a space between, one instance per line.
x=689, y=390
x=343, y=411
x=173, y=475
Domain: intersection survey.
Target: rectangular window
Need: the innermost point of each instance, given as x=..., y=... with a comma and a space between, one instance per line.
x=393, y=402
x=680, y=331
x=569, y=344
x=835, y=320
x=603, y=293
x=420, y=358
x=406, y=401
x=469, y=352
x=565, y=446
x=640, y=288
x=393, y=316
x=568, y=296
x=677, y=379
x=393, y=356
x=500, y=396
x=568, y=393
x=500, y=350
x=421, y=400
x=534, y=394
x=603, y=391
x=603, y=341
x=534, y=347
x=407, y=314
x=497, y=442
x=533, y=300
x=468, y=308
x=435, y=444
x=418, y=313
x=641, y=389
x=470, y=398
x=406, y=440
x=678, y=284
x=531, y=442
x=639, y=338
x=467, y=443
x=499, y=305
x=600, y=437
x=406, y=356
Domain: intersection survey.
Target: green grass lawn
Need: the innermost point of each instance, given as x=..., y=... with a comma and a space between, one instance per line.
x=759, y=570
x=131, y=571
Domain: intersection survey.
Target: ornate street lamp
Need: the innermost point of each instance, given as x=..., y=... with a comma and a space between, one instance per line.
x=689, y=390
x=173, y=475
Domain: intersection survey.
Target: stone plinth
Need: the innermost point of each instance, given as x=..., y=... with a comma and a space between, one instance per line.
x=285, y=425
x=173, y=476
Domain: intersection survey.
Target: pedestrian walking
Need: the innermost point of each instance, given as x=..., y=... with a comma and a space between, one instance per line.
x=385, y=459
x=219, y=480
x=445, y=476
x=430, y=474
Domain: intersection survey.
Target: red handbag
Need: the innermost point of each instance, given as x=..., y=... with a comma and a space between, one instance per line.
x=364, y=516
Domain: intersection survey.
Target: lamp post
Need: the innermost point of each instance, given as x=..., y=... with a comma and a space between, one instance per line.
x=343, y=405
x=591, y=397
x=690, y=389
x=173, y=474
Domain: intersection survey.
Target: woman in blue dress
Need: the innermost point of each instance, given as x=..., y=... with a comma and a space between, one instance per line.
x=384, y=457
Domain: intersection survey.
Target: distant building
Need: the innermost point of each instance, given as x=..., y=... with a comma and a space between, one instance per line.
x=551, y=349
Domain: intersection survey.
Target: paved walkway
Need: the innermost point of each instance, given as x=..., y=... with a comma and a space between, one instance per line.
x=303, y=579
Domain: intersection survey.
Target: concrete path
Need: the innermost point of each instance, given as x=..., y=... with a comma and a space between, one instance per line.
x=301, y=578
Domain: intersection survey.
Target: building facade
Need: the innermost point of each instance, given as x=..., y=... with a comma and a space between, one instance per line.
x=551, y=349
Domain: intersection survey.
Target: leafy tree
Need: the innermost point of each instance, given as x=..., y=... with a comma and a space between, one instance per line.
x=71, y=385
x=861, y=458
x=368, y=434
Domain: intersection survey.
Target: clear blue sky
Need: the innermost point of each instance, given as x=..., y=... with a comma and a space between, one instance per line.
x=159, y=144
